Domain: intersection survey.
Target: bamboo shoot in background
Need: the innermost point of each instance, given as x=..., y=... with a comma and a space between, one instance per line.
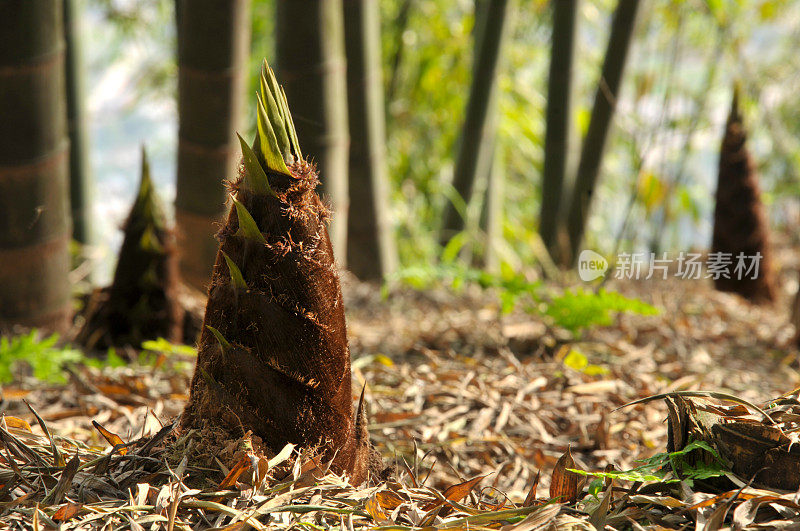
x=371, y=250
x=740, y=222
x=35, y=227
x=311, y=65
x=213, y=41
x=142, y=301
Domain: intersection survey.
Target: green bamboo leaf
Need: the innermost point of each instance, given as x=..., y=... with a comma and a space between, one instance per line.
x=275, y=119
x=702, y=394
x=147, y=207
x=256, y=177
x=268, y=81
x=212, y=383
x=149, y=241
x=268, y=76
x=269, y=144
x=247, y=225
x=223, y=343
x=262, y=79
x=236, y=274
x=290, y=127
x=146, y=185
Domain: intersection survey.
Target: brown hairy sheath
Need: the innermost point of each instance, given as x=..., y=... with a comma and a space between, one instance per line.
x=286, y=374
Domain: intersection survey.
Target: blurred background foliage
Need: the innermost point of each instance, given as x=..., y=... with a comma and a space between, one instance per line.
x=659, y=170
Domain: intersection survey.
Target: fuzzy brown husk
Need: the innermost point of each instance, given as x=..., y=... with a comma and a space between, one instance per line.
x=740, y=223
x=142, y=301
x=795, y=316
x=286, y=375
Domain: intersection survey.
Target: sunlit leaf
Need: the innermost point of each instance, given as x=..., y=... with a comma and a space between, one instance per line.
x=15, y=423
x=283, y=456
x=268, y=141
x=290, y=127
x=564, y=484
x=576, y=360
x=255, y=176
x=68, y=511
x=112, y=438
x=247, y=225
x=236, y=274
x=389, y=500
x=240, y=467
x=460, y=491
x=275, y=118
x=373, y=508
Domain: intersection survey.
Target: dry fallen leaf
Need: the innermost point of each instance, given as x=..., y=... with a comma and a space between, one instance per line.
x=112, y=438
x=530, y=499
x=236, y=471
x=460, y=491
x=389, y=500
x=564, y=484
x=373, y=508
x=15, y=423
x=68, y=511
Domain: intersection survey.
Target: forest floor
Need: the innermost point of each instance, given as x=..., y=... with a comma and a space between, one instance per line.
x=455, y=390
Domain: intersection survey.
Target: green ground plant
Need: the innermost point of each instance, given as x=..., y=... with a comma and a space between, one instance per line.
x=696, y=461
x=46, y=359
x=42, y=355
x=574, y=310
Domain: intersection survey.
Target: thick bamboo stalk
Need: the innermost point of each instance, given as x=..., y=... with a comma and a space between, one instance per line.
x=605, y=101
x=213, y=40
x=490, y=170
x=401, y=23
x=557, y=130
x=371, y=250
x=34, y=196
x=80, y=178
x=495, y=196
x=311, y=65
x=474, y=131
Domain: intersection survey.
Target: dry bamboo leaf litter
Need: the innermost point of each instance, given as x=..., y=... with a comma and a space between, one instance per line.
x=455, y=390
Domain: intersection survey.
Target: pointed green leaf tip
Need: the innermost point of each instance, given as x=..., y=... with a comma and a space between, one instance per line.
x=268, y=142
x=223, y=343
x=147, y=206
x=247, y=225
x=255, y=177
x=276, y=146
x=275, y=117
x=279, y=97
x=290, y=126
x=236, y=274
x=146, y=183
